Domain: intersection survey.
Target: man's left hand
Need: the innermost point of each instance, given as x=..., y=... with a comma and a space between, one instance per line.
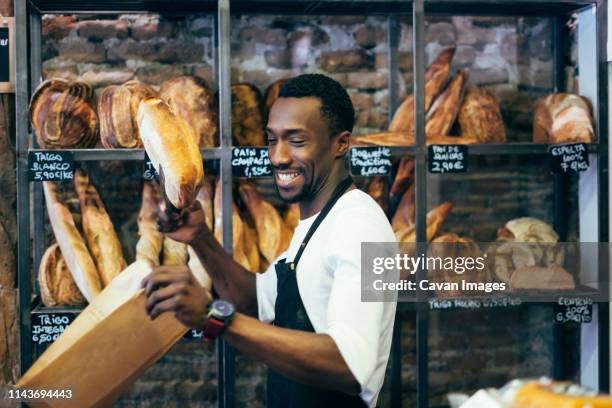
x=175, y=289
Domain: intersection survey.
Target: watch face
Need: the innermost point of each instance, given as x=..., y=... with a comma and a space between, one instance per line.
x=222, y=309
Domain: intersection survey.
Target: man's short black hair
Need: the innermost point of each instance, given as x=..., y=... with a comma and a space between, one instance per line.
x=336, y=105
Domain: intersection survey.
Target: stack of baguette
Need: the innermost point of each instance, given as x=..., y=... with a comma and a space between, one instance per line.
x=88, y=254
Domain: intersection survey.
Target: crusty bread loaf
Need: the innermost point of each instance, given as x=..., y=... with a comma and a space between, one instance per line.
x=272, y=93
x=403, y=177
x=384, y=139
x=149, y=244
x=72, y=244
x=404, y=213
x=251, y=248
x=247, y=116
x=173, y=150
x=271, y=230
x=435, y=219
x=563, y=118
x=376, y=190
x=453, y=246
x=205, y=198
x=436, y=77
x=542, y=278
x=174, y=253
x=57, y=287
x=292, y=216
x=191, y=99
x=63, y=115
x=118, y=112
x=443, y=112
x=98, y=229
x=238, y=233
x=480, y=117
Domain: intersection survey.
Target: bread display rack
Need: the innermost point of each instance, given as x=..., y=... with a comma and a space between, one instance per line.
x=592, y=185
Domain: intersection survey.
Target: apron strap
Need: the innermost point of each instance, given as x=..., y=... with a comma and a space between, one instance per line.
x=340, y=189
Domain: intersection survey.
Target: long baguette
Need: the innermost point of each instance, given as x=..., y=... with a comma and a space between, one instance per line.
x=72, y=244
x=98, y=228
x=149, y=245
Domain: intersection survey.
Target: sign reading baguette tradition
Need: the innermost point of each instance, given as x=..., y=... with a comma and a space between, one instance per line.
x=251, y=162
x=46, y=328
x=569, y=158
x=448, y=158
x=50, y=166
x=573, y=310
x=370, y=161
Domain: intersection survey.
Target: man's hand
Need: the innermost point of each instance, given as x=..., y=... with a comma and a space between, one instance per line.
x=194, y=224
x=175, y=289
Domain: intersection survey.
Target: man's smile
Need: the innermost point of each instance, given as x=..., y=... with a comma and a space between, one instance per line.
x=286, y=178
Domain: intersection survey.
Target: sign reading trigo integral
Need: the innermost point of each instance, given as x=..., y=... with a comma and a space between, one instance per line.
x=370, y=161
x=574, y=310
x=250, y=162
x=50, y=166
x=46, y=328
x=569, y=158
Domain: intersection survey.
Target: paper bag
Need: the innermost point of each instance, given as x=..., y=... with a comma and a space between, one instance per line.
x=110, y=344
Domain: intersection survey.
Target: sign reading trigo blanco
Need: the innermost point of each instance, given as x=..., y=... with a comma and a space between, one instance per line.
x=370, y=161
x=250, y=162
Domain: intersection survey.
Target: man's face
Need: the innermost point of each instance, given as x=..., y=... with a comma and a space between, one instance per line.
x=300, y=148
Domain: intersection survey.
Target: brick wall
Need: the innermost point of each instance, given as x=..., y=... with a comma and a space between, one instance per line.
x=511, y=56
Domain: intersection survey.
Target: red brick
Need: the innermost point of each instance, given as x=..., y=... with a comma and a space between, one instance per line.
x=156, y=74
x=179, y=51
x=70, y=73
x=367, y=80
x=82, y=50
x=103, y=29
x=344, y=61
x=104, y=78
x=130, y=49
x=369, y=37
x=278, y=58
x=361, y=100
x=153, y=29
x=57, y=27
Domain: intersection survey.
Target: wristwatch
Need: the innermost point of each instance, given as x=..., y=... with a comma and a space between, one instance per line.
x=220, y=314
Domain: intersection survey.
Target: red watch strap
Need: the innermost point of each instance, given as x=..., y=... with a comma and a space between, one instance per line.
x=213, y=329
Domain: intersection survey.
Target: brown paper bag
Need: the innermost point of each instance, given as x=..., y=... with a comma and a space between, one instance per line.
x=110, y=344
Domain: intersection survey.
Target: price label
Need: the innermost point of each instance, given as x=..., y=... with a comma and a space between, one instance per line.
x=568, y=158
x=439, y=304
x=370, y=161
x=50, y=166
x=251, y=162
x=148, y=170
x=448, y=158
x=193, y=334
x=5, y=59
x=46, y=328
x=573, y=310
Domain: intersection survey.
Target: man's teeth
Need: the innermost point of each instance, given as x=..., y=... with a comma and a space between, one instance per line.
x=287, y=176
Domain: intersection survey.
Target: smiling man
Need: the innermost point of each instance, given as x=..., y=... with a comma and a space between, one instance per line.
x=324, y=347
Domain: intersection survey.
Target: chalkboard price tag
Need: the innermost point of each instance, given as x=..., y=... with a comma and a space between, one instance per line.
x=46, y=328
x=148, y=170
x=573, y=310
x=193, y=334
x=251, y=162
x=370, y=161
x=568, y=158
x=50, y=165
x=448, y=158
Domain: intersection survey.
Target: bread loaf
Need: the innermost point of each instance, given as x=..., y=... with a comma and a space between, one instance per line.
x=271, y=232
x=441, y=116
x=384, y=139
x=57, y=287
x=102, y=239
x=191, y=99
x=174, y=253
x=72, y=244
x=559, y=395
x=63, y=115
x=238, y=229
x=435, y=219
x=173, y=150
x=376, y=190
x=292, y=216
x=118, y=112
x=403, y=177
x=563, y=118
x=542, y=278
x=453, y=246
x=247, y=116
x=149, y=244
x=251, y=248
x=272, y=93
x=480, y=117
x=404, y=213
x=436, y=77
x=205, y=198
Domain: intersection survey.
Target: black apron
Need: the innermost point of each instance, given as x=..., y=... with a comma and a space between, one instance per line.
x=289, y=312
